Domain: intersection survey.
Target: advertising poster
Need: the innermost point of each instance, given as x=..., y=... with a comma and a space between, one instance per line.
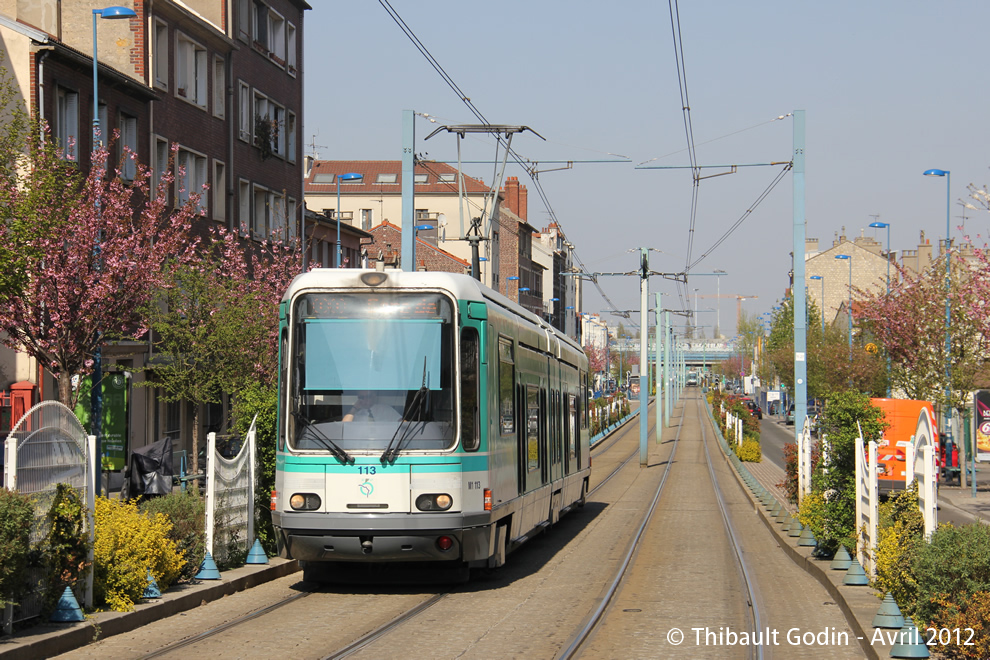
x=981, y=424
x=113, y=441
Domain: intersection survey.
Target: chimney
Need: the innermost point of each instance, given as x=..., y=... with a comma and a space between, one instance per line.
x=515, y=196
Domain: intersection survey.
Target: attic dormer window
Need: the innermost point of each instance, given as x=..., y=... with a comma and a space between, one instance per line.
x=323, y=177
x=447, y=177
x=387, y=178
x=422, y=178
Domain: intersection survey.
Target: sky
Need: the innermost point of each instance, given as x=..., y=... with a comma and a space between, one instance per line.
x=889, y=89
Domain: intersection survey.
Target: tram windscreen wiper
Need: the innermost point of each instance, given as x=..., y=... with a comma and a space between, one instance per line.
x=321, y=437
x=416, y=403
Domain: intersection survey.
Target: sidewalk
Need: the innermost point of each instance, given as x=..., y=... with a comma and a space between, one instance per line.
x=860, y=604
x=49, y=639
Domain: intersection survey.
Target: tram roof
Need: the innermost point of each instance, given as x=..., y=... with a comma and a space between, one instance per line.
x=463, y=287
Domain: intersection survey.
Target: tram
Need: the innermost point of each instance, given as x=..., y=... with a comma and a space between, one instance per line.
x=425, y=420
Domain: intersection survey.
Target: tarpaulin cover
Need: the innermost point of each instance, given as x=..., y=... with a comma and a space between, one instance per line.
x=149, y=471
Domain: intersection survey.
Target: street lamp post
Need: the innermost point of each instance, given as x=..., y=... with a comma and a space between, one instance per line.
x=337, y=214
x=886, y=225
x=948, y=312
x=849, y=311
x=718, y=302
x=507, y=279
x=819, y=277
x=521, y=289
x=96, y=396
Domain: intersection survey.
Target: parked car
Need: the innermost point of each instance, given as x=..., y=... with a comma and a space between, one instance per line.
x=754, y=408
x=812, y=415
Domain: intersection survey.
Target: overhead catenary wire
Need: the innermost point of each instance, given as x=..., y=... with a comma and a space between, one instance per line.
x=478, y=115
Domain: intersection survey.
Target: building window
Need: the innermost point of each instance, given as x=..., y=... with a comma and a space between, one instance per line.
x=190, y=178
x=218, y=190
x=66, y=131
x=387, y=178
x=219, y=88
x=447, y=177
x=161, y=54
x=244, y=20
x=244, y=204
x=190, y=71
x=245, y=117
x=290, y=130
x=366, y=219
x=278, y=116
x=262, y=111
x=276, y=38
x=291, y=219
x=279, y=221
x=260, y=24
x=262, y=209
x=104, y=122
x=290, y=52
x=421, y=178
x=128, y=146
x=161, y=163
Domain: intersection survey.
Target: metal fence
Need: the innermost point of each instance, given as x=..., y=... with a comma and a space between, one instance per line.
x=230, y=495
x=48, y=446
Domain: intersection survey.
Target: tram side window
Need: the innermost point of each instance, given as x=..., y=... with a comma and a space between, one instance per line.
x=506, y=382
x=533, y=428
x=572, y=424
x=470, y=437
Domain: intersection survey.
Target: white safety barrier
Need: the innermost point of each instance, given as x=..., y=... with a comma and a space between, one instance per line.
x=866, y=503
x=804, y=461
x=920, y=463
x=230, y=497
x=46, y=447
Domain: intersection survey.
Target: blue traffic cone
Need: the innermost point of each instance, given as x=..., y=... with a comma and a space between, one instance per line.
x=910, y=643
x=208, y=570
x=855, y=575
x=841, y=560
x=257, y=554
x=67, y=610
x=889, y=615
x=152, y=590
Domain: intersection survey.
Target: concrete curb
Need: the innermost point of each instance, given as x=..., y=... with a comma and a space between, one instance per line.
x=855, y=602
x=49, y=639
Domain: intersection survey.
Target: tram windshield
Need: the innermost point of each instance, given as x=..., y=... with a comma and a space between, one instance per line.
x=372, y=372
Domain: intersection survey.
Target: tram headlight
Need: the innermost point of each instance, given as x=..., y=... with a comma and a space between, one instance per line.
x=374, y=279
x=434, y=502
x=305, y=501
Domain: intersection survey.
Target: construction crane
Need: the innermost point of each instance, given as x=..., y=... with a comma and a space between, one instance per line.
x=739, y=301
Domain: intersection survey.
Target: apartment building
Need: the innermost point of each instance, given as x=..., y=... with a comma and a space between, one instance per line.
x=219, y=82
x=517, y=260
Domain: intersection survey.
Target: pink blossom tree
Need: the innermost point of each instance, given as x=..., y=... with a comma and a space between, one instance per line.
x=97, y=253
x=910, y=326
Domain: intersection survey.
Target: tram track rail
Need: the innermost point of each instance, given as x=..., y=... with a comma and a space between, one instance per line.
x=381, y=631
x=595, y=619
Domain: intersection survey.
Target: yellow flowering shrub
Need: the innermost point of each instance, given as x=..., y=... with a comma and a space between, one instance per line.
x=129, y=544
x=749, y=451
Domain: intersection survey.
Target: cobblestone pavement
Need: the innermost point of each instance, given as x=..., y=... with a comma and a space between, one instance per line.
x=560, y=572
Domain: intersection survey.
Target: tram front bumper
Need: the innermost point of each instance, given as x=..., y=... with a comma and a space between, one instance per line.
x=369, y=540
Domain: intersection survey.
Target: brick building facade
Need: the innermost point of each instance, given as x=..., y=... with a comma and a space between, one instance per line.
x=220, y=81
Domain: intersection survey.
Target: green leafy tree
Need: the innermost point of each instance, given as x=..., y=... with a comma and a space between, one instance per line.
x=834, y=476
x=831, y=367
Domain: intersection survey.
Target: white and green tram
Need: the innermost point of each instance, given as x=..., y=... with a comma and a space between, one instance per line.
x=424, y=420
